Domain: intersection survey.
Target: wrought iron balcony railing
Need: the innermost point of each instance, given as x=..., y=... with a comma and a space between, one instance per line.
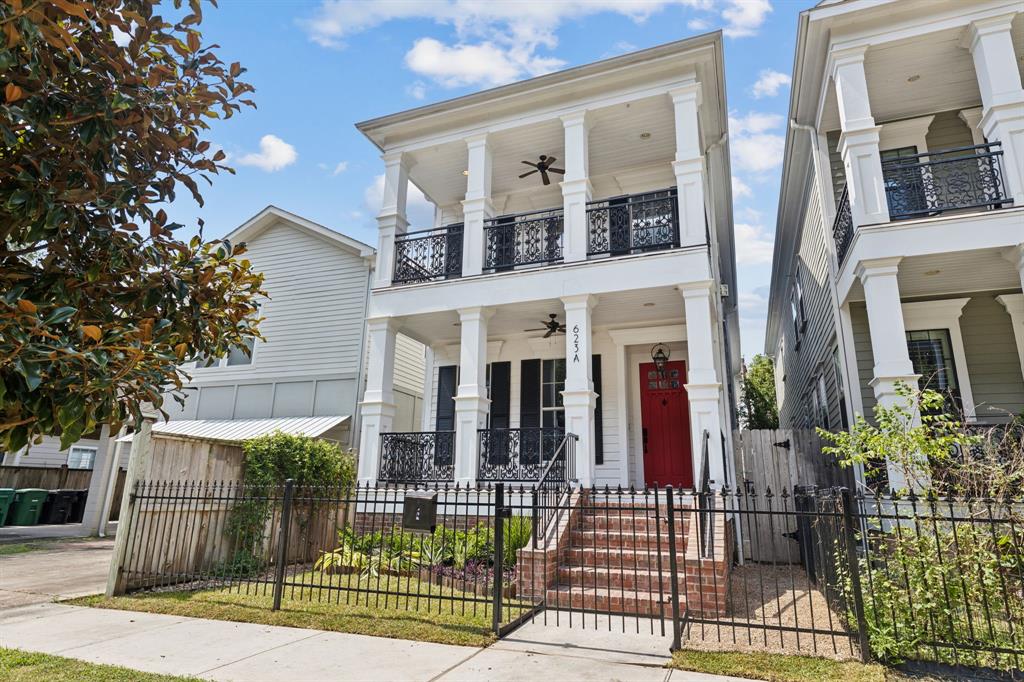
x=523, y=239
x=417, y=457
x=842, y=228
x=516, y=454
x=427, y=255
x=946, y=180
x=633, y=223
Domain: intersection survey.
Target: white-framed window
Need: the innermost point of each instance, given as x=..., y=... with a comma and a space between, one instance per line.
x=821, y=391
x=797, y=310
x=552, y=383
x=837, y=369
x=81, y=457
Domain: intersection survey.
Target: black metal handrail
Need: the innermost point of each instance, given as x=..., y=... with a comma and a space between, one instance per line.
x=553, y=485
x=705, y=499
x=933, y=182
x=417, y=457
x=427, y=255
x=842, y=227
x=521, y=239
x=633, y=223
x=516, y=454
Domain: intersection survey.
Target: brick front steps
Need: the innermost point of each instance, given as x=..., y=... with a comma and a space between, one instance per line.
x=604, y=556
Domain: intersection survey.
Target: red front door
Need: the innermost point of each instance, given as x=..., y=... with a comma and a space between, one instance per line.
x=665, y=417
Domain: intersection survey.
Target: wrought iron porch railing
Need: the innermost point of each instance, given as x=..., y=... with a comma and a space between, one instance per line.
x=516, y=454
x=705, y=499
x=633, y=223
x=523, y=239
x=552, y=487
x=417, y=457
x=945, y=180
x=842, y=228
x=427, y=255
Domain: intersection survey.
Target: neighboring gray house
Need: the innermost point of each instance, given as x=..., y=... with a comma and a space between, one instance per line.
x=311, y=359
x=899, y=250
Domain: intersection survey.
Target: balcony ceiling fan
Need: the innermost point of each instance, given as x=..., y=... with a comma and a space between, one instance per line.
x=543, y=166
x=552, y=326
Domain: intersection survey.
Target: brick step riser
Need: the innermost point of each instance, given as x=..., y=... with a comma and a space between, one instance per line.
x=564, y=599
x=620, y=580
x=642, y=542
x=618, y=559
x=630, y=525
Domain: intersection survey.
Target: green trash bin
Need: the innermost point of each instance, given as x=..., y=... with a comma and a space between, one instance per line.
x=28, y=505
x=6, y=498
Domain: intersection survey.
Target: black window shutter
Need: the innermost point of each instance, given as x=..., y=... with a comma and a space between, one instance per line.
x=529, y=394
x=446, y=379
x=598, y=416
x=501, y=379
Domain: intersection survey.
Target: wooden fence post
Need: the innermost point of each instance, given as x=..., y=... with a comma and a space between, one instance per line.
x=142, y=445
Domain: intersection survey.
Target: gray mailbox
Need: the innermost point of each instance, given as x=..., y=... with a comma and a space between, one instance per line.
x=419, y=514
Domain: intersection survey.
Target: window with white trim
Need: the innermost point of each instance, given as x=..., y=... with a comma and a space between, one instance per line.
x=81, y=457
x=552, y=383
x=837, y=369
x=797, y=310
x=931, y=354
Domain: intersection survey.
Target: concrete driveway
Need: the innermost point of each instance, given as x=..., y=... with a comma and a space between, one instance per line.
x=61, y=570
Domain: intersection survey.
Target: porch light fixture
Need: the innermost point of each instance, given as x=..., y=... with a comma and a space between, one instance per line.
x=466, y=173
x=660, y=354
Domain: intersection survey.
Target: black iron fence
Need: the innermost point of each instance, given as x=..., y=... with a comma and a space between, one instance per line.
x=817, y=572
x=417, y=457
x=523, y=239
x=427, y=255
x=633, y=223
x=516, y=455
x=842, y=228
x=944, y=180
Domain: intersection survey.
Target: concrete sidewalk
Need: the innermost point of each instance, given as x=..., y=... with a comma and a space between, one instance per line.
x=218, y=650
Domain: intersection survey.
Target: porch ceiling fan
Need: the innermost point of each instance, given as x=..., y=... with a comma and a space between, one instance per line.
x=543, y=166
x=552, y=326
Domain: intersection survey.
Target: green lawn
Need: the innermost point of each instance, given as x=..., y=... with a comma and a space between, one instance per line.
x=429, y=620
x=22, y=666
x=779, y=668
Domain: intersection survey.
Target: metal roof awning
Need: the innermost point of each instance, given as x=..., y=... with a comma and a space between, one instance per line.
x=240, y=430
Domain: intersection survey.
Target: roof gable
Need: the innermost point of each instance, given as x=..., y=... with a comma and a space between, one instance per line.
x=271, y=215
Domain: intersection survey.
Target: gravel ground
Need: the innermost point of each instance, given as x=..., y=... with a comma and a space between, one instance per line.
x=764, y=598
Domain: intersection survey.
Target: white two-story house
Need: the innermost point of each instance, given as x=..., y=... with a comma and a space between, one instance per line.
x=576, y=278
x=899, y=253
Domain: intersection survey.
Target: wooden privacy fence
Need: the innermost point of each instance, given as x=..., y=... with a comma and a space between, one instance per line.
x=49, y=478
x=779, y=461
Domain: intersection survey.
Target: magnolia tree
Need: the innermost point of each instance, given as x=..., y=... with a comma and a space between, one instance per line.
x=104, y=111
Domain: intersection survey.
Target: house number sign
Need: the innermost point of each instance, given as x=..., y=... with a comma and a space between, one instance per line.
x=575, y=343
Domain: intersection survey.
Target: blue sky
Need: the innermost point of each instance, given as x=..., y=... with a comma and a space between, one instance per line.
x=321, y=66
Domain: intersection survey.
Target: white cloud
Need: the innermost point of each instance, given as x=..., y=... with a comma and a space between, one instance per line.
x=740, y=189
x=274, y=154
x=744, y=17
x=754, y=146
x=753, y=314
x=768, y=83
x=753, y=245
x=419, y=210
x=698, y=24
x=417, y=90
x=481, y=64
x=340, y=168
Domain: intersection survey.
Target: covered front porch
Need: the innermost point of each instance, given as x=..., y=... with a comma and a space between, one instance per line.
x=610, y=389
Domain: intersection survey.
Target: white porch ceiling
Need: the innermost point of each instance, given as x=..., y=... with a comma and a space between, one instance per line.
x=952, y=273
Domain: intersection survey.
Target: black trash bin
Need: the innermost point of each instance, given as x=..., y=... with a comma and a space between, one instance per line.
x=57, y=506
x=77, y=512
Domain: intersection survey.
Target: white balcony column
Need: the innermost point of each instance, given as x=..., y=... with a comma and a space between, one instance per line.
x=858, y=143
x=477, y=207
x=576, y=188
x=703, y=388
x=888, y=344
x=578, y=397
x=377, y=410
x=471, y=402
x=689, y=165
x=391, y=221
x=1014, y=303
x=1002, y=97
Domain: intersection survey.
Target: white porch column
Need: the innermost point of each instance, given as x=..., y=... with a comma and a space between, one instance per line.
x=703, y=388
x=858, y=142
x=377, y=410
x=888, y=340
x=391, y=220
x=576, y=189
x=1014, y=303
x=578, y=397
x=477, y=206
x=471, y=402
x=689, y=165
x=1002, y=97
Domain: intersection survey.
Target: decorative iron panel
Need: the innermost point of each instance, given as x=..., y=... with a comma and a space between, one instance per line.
x=633, y=223
x=842, y=228
x=428, y=255
x=933, y=182
x=417, y=457
x=516, y=454
x=525, y=239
